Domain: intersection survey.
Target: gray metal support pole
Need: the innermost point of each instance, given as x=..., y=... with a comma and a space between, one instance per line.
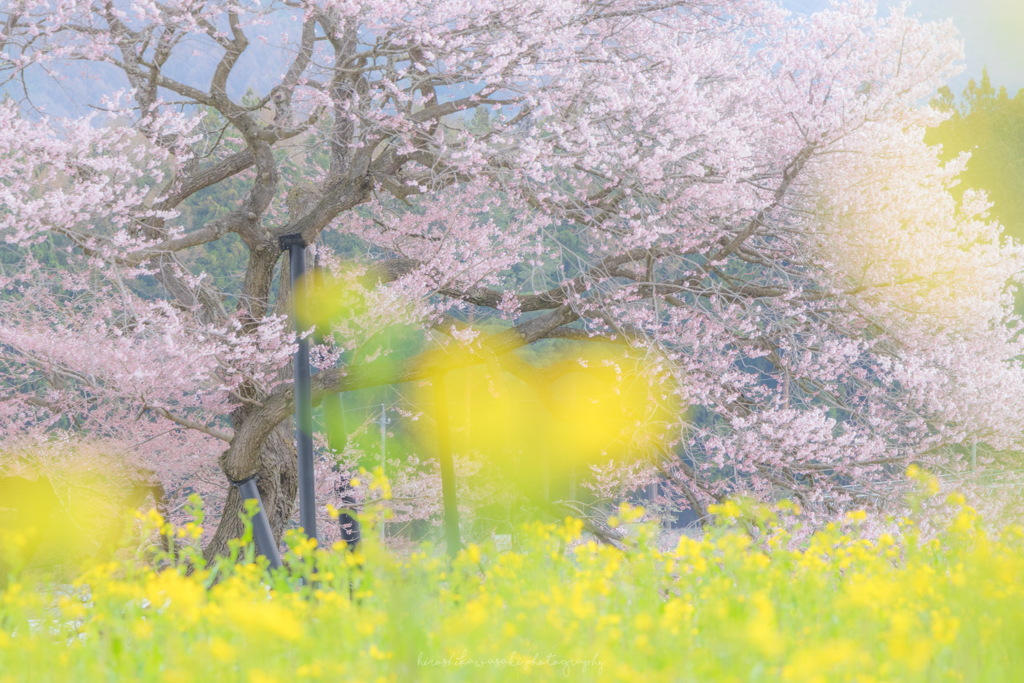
x=296, y=247
x=261, y=532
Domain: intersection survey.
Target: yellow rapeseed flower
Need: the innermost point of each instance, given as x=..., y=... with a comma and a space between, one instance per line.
x=222, y=650
x=267, y=619
x=857, y=516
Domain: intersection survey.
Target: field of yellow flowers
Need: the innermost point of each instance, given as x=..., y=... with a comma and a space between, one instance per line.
x=747, y=602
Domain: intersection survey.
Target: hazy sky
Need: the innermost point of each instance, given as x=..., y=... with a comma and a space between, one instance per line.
x=992, y=30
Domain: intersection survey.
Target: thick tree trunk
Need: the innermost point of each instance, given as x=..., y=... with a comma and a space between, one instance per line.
x=278, y=482
x=269, y=455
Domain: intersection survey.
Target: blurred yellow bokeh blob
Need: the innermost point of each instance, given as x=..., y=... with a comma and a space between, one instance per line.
x=583, y=404
x=59, y=511
x=323, y=300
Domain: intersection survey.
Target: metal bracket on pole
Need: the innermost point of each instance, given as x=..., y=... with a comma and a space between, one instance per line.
x=261, y=532
x=295, y=245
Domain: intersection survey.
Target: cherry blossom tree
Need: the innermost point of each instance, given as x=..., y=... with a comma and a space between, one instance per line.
x=741, y=192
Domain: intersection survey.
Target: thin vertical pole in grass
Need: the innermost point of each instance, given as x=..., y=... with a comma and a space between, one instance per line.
x=444, y=455
x=348, y=525
x=334, y=412
x=296, y=247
